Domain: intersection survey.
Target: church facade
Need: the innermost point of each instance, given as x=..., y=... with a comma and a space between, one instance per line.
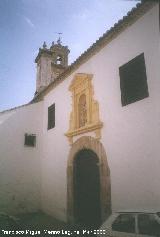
x=88, y=142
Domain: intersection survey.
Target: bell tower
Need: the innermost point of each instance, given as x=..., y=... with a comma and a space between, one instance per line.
x=51, y=62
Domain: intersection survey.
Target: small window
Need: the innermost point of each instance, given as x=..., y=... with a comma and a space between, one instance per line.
x=133, y=81
x=148, y=225
x=51, y=116
x=59, y=59
x=124, y=223
x=30, y=140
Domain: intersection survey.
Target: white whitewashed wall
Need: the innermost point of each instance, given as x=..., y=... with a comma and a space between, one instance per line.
x=130, y=135
x=20, y=166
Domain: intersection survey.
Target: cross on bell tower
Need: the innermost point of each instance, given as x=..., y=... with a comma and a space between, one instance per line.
x=59, y=38
x=51, y=62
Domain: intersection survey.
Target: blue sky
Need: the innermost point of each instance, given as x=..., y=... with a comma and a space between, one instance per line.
x=25, y=24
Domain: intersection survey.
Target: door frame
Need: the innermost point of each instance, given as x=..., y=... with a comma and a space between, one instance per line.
x=96, y=146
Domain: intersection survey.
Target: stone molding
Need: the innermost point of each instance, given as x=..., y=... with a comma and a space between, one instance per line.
x=93, y=144
x=82, y=85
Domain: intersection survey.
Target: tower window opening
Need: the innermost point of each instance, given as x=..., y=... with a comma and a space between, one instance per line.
x=59, y=60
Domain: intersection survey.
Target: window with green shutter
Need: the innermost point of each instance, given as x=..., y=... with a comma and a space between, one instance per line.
x=133, y=80
x=51, y=116
x=30, y=140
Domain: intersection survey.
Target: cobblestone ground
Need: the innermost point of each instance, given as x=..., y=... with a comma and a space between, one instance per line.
x=39, y=224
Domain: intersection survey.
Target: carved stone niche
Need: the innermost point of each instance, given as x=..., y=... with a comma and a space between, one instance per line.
x=85, y=110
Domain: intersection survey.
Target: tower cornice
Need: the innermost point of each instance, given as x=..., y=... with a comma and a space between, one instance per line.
x=44, y=52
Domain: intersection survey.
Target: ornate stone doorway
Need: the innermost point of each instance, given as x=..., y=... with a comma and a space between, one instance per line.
x=91, y=149
x=86, y=188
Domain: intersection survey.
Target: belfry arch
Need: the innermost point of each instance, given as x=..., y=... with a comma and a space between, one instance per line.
x=96, y=146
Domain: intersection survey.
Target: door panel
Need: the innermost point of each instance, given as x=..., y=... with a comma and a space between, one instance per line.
x=87, y=189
